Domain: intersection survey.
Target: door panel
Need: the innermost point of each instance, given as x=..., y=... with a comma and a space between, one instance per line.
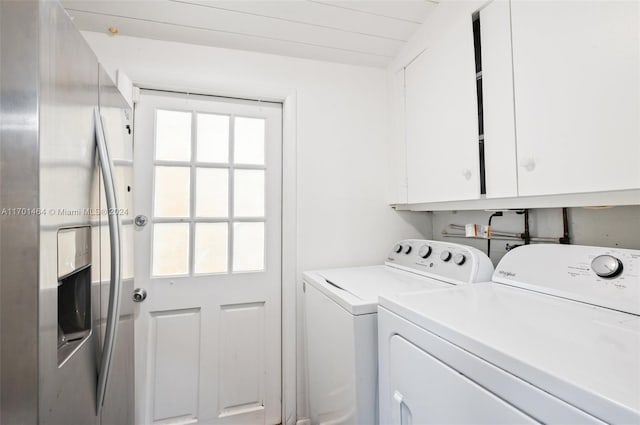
x=208, y=336
x=175, y=372
x=242, y=336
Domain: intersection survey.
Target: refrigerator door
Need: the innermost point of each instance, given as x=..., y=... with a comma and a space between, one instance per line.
x=68, y=95
x=117, y=124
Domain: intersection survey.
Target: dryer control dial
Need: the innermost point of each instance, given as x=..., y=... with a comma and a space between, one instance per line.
x=606, y=266
x=445, y=256
x=397, y=248
x=407, y=249
x=425, y=251
x=459, y=259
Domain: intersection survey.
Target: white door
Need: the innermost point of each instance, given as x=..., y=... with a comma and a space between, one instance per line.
x=208, y=177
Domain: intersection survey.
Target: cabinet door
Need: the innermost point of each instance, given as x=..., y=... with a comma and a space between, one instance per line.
x=576, y=72
x=497, y=101
x=397, y=181
x=442, y=119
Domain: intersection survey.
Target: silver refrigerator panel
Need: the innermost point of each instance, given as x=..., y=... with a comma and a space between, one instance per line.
x=19, y=165
x=49, y=179
x=118, y=408
x=68, y=96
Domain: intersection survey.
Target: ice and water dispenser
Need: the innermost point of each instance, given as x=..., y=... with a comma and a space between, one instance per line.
x=74, y=289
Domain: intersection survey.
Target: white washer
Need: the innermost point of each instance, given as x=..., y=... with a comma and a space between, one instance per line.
x=555, y=338
x=341, y=328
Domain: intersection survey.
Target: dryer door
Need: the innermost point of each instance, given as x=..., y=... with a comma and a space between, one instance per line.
x=427, y=391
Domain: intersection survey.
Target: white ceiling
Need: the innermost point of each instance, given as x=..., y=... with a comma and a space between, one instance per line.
x=357, y=32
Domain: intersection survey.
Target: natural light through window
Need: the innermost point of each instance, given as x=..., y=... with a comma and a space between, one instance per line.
x=208, y=194
x=249, y=141
x=173, y=135
x=213, y=138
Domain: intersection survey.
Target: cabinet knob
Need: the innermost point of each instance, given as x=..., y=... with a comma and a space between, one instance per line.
x=466, y=173
x=528, y=164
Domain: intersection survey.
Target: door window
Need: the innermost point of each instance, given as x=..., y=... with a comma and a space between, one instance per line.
x=208, y=194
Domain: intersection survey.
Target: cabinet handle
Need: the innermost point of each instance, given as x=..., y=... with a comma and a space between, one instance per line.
x=528, y=164
x=466, y=173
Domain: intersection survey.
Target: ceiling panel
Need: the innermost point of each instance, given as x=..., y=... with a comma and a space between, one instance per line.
x=319, y=14
x=158, y=31
x=409, y=11
x=298, y=28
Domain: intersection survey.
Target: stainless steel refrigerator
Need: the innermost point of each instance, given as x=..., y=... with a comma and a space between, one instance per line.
x=66, y=238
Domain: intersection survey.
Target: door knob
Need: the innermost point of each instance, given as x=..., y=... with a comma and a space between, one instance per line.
x=139, y=295
x=141, y=220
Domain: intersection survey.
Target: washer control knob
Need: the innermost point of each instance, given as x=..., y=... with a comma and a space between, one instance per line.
x=606, y=266
x=425, y=251
x=445, y=256
x=397, y=248
x=407, y=249
x=459, y=259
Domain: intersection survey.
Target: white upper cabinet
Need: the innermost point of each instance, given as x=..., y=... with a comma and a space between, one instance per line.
x=442, y=118
x=559, y=115
x=576, y=79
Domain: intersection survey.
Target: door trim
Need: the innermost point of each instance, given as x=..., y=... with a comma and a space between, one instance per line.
x=288, y=98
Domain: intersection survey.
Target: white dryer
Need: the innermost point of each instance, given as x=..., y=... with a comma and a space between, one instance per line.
x=554, y=339
x=340, y=307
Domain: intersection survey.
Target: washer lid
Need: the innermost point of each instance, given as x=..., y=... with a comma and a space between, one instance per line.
x=357, y=289
x=588, y=356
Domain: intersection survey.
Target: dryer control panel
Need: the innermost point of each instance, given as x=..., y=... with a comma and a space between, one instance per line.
x=445, y=261
x=606, y=277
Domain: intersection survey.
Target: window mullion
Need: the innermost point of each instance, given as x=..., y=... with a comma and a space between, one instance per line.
x=192, y=194
x=232, y=126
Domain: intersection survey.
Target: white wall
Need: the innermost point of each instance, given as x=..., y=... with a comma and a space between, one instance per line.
x=342, y=129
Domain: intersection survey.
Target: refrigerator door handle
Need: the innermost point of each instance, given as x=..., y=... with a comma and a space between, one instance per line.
x=106, y=166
